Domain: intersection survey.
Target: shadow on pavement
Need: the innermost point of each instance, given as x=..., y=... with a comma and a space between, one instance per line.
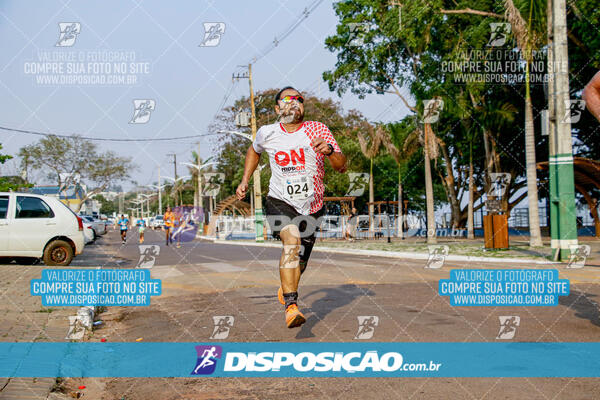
x=332, y=299
x=583, y=305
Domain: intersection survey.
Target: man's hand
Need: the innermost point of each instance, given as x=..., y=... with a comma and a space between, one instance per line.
x=320, y=146
x=241, y=190
x=591, y=95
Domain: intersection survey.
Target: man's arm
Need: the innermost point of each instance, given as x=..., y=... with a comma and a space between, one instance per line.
x=591, y=95
x=252, y=159
x=336, y=159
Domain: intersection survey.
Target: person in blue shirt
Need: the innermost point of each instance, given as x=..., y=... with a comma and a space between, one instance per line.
x=124, y=225
x=141, y=224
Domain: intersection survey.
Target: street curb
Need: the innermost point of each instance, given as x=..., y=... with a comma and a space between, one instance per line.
x=390, y=254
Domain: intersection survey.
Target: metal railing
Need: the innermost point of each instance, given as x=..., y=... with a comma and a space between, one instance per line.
x=336, y=226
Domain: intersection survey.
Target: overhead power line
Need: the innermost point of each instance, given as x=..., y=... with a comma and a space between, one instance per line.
x=282, y=36
x=278, y=39
x=105, y=139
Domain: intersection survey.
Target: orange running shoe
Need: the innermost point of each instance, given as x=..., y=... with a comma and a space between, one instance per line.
x=280, y=296
x=293, y=316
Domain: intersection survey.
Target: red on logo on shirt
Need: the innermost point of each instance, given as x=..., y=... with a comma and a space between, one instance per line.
x=282, y=158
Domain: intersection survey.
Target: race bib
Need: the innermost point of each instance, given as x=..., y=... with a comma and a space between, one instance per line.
x=299, y=187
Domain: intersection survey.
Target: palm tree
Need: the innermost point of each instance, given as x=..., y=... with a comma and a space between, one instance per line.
x=426, y=138
x=430, y=150
x=196, y=178
x=529, y=37
x=369, y=139
x=400, y=157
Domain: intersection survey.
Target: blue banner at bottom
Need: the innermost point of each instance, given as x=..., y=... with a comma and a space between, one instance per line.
x=368, y=359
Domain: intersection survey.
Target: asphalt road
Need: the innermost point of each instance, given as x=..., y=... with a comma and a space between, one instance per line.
x=202, y=280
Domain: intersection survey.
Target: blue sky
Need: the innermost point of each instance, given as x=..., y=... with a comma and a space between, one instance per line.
x=188, y=82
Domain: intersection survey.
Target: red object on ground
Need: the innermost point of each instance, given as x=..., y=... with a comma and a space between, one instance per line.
x=81, y=387
x=103, y=340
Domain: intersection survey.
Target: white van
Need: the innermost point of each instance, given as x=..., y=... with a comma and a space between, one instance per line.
x=40, y=227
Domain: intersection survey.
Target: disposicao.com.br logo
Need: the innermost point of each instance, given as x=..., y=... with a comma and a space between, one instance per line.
x=371, y=361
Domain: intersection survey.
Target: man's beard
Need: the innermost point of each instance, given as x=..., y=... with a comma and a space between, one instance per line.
x=290, y=114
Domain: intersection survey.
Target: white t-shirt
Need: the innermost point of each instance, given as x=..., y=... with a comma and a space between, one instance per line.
x=296, y=169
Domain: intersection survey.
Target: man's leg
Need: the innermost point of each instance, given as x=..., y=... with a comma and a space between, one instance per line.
x=167, y=235
x=289, y=272
x=309, y=231
x=289, y=263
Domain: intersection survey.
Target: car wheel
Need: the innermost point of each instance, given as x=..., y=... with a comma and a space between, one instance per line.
x=58, y=253
x=95, y=235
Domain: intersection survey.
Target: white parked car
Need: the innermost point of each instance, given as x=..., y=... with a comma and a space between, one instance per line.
x=88, y=232
x=40, y=227
x=157, y=222
x=98, y=226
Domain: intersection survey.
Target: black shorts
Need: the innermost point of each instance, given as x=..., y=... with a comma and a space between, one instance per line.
x=277, y=210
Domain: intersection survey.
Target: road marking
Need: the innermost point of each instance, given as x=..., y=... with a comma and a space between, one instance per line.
x=222, y=267
x=165, y=271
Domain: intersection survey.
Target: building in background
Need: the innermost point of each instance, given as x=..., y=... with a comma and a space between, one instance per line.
x=71, y=196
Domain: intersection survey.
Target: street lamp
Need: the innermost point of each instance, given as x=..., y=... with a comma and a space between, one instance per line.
x=199, y=168
x=159, y=188
x=132, y=209
x=147, y=199
x=175, y=180
x=141, y=203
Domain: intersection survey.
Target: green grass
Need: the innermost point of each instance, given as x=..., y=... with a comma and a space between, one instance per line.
x=455, y=248
x=46, y=310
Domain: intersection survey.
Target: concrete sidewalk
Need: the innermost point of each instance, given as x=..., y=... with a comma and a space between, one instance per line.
x=24, y=319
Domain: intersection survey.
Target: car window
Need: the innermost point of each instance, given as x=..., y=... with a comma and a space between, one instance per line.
x=3, y=206
x=32, y=207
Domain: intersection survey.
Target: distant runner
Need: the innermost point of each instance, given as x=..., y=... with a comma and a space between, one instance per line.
x=123, y=225
x=178, y=225
x=297, y=152
x=350, y=233
x=141, y=224
x=168, y=220
x=591, y=95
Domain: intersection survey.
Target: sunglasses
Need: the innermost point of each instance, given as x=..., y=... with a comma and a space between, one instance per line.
x=289, y=99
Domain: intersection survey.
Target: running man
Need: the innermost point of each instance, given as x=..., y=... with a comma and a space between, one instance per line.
x=124, y=225
x=141, y=224
x=168, y=220
x=178, y=225
x=297, y=150
x=591, y=95
x=350, y=233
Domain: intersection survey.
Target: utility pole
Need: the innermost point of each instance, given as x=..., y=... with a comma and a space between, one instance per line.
x=175, y=171
x=563, y=222
x=175, y=165
x=199, y=183
x=258, y=212
x=26, y=162
x=430, y=210
x=159, y=193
